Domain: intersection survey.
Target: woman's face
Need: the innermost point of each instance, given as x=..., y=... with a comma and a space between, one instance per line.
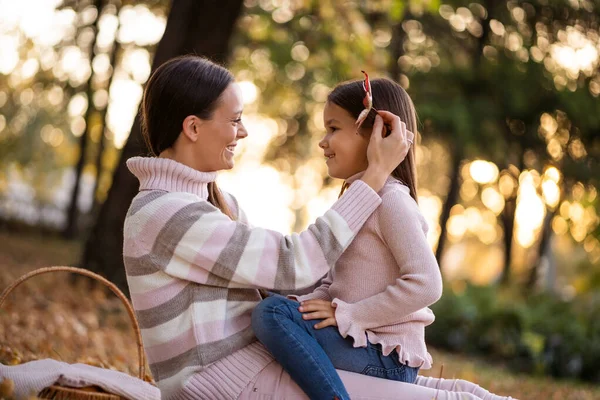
x=218, y=136
x=345, y=150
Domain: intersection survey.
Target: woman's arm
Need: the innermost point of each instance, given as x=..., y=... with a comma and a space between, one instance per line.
x=420, y=283
x=196, y=242
x=320, y=293
x=235, y=207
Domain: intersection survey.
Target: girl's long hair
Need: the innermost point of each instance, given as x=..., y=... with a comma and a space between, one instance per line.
x=182, y=86
x=387, y=96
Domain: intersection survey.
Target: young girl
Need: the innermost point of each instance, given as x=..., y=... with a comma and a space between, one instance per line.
x=372, y=306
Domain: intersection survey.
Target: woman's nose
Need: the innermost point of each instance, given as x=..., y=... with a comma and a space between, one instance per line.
x=242, y=132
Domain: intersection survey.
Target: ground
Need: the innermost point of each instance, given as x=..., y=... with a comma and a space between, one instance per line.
x=83, y=323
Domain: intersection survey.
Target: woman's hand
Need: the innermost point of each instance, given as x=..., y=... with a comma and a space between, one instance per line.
x=319, y=309
x=385, y=154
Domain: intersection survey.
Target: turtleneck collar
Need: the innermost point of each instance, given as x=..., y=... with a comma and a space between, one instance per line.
x=171, y=176
x=355, y=177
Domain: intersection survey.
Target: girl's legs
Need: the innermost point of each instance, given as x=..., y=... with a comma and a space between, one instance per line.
x=279, y=322
x=299, y=353
x=273, y=383
x=311, y=355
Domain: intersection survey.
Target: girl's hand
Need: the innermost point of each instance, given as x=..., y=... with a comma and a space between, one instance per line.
x=319, y=309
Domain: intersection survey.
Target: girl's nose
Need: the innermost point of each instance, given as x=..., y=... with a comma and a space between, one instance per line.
x=323, y=143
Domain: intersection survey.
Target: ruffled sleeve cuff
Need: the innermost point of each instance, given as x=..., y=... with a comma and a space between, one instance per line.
x=347, y=325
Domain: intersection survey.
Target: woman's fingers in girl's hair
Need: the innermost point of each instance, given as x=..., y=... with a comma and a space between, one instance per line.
x=391, y=119
x=410, y=136
x=396, y=124
x=398, y=128
x=378, y=128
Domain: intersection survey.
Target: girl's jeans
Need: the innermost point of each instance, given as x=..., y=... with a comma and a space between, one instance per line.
x=311, y=355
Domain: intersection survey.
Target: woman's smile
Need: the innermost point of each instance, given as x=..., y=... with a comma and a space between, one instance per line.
x=230, y=149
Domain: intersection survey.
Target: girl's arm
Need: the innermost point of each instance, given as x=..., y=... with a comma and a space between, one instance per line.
x=197, y=242
x=402, y=227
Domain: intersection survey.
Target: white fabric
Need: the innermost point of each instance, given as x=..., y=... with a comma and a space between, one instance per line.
x=32, y=377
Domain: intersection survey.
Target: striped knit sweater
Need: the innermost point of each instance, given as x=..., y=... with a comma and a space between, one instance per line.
x=194, y=275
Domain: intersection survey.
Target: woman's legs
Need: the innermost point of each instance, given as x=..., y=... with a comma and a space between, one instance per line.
x=309, y=354
x=458, y=385
x=273, y=383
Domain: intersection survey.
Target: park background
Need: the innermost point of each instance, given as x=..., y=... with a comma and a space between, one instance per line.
x=507, y=94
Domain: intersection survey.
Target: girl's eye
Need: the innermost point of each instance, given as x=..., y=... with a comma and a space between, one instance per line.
x=333, y=129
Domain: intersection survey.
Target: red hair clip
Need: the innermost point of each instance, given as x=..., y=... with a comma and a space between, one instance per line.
x=367, y=101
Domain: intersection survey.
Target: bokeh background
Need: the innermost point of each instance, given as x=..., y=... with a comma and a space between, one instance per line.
x=507, y=94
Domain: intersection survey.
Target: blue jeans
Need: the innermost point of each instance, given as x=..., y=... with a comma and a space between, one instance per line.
x=311, y=355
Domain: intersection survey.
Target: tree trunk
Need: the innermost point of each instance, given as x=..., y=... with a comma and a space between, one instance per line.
x=199, y=27
x=451, y=200
x=508, y=224
x=397, y=48
x=73, y=210
x=544, y=253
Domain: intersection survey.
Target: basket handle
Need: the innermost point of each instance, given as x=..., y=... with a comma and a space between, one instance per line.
x=110, y=285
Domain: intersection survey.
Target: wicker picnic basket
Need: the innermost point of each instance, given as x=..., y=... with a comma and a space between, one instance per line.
x=90, y=392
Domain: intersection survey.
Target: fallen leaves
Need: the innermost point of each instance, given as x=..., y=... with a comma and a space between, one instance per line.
x=7, y=388
x=56, y=316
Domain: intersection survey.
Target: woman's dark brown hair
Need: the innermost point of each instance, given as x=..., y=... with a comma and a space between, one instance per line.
x=183, y=86
x=388, y=96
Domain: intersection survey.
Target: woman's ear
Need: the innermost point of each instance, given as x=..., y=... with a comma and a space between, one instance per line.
x=190, y=128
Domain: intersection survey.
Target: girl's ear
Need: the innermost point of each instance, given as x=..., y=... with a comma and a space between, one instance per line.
x=190, y=127
x=364, y=131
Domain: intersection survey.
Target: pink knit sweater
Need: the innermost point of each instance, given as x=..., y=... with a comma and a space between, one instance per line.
x=386, y=279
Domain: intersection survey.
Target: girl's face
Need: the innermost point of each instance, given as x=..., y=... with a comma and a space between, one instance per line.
x=218, y=136
x=345, y=150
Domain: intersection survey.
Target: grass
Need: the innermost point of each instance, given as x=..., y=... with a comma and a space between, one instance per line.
x=83, y=323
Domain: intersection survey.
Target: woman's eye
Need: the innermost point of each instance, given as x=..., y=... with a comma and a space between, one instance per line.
x=237, y=121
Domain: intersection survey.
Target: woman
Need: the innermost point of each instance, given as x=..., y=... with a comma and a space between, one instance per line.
x=193, y=265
